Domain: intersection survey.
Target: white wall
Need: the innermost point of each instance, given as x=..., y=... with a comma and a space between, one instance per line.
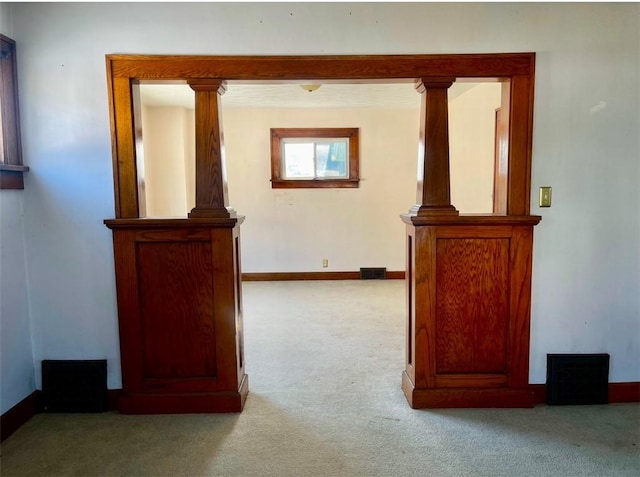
x=472, y=147
x=293, y=230
x=16, y=351
x=167, y=134
x=586, y=273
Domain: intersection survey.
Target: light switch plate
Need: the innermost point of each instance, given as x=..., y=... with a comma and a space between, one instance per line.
x=545, y=196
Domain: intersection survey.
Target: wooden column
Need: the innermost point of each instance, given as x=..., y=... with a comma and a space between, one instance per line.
x=212, y=198
x=433, y=194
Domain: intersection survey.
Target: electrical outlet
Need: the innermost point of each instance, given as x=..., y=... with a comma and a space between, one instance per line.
x=545, y=196
x=325, y=263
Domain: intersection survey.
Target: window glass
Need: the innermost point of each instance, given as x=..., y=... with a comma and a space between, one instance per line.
x=311, y=159
x=298, y=160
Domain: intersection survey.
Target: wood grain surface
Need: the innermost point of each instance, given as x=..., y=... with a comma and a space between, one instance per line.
x=283, y=68
x=125, y=160
x=472, y=305
x=212, y=198
x=433, y=191
x=176, y=307
x=179, y=315
x=468, y=293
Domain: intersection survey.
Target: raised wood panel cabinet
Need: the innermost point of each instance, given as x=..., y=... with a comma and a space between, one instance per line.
x=181, y=340
x=468, y=302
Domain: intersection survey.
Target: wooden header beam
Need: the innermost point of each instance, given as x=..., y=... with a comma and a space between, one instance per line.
x=123, y=71
x=281, y=68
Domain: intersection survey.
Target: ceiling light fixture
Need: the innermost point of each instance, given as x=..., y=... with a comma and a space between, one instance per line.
x=310, y=87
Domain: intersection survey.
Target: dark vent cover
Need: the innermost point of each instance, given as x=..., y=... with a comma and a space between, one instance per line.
x=74, y=386
x=373, y=274
x=577, y=379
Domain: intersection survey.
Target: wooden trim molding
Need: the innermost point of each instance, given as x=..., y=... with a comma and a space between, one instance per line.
x=172, y=223
x=11, y=177
x=539, y=393
x=18, y=415
x=10, y=140
x=624, y=392
x=618, y=392
x=346, y=67
x=11, y=168
x=113, y=396
x=471, y=219
x=353, y=176
x=291, y=276
x=315, y=184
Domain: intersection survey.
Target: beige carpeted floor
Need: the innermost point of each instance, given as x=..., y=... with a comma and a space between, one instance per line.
x=324, y=361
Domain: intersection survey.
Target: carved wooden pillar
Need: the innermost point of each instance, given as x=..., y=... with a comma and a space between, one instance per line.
x=212, y=198
x=433, y=195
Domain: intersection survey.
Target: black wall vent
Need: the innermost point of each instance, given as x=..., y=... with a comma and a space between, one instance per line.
x=373, y=274
x=74, y=386
x=577, y=379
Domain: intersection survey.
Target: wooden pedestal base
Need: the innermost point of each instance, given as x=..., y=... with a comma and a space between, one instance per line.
x=213, y=402
x=465, y=397
x=468, y=305
x=180, y=315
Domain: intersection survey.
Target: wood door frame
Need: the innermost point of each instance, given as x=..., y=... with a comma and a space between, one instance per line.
x=125, y=72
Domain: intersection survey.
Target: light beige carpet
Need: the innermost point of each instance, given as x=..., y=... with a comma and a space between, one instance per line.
x=324, y=361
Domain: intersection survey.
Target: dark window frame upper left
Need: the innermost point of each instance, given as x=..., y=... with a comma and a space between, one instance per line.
x=11, y=165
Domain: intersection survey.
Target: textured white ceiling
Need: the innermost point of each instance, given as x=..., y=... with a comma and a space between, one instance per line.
x=399, y=95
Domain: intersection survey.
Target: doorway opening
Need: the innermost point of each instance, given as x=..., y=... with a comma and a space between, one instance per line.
x=207, y=241
x=303, y=232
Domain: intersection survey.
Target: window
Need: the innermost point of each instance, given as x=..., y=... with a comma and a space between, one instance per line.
x=11, y=167
x=314, y=157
